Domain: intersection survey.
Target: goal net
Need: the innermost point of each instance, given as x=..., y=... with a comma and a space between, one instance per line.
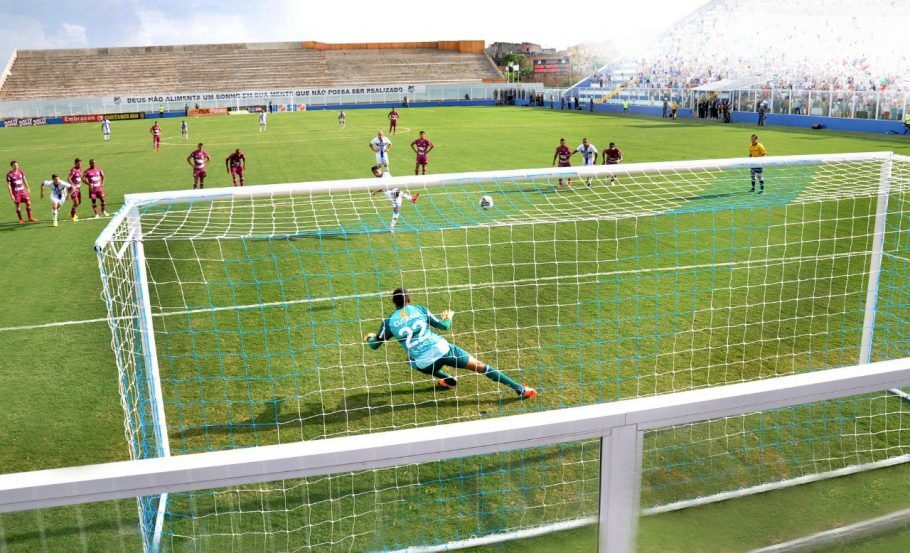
x=238, y=319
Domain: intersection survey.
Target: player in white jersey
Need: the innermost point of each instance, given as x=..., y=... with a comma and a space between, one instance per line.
x=588, y=153
x=184, y=130
x=263, y=121
x=381, y=146
x=59, y=191
x=341, y=120
x=106, y=129
x=394, y=195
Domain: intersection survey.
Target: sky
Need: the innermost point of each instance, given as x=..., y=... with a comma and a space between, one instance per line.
x=39, y=24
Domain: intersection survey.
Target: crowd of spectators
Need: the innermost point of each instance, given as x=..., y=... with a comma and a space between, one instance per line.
x=839, y=45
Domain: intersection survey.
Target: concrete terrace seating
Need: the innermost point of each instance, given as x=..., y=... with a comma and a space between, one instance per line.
x=394, y=66
x=57, y=74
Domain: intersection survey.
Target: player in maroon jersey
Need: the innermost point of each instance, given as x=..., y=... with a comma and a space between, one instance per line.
x=156, y=137
x=94, y=178
x=612, y=156
x=393, y=122
x=563, y=154
x=197, y=160
x=19, y=191
x=236, y=165
x=422, y=147
x=75, y=180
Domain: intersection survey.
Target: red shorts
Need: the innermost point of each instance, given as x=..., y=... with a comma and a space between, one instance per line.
x=237, y=171
x=76, y=195
x=561, y=164
x=96, y=194
x=393, y=122
x=156, y=139
x=199, y=173
x=21, y=197
x=422, y=160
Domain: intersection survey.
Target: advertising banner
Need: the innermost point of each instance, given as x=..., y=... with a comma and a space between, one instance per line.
x=25, y=122
x=91, y=118
x=124, y=116
x=203, y=112
x=262, y=94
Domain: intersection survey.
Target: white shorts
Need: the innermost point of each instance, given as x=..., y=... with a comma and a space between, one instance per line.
x=106, y=133
x=57, y=199
x=395, y=196
x=382, y=158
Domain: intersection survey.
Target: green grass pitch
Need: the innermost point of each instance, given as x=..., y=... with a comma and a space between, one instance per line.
x=58, y=385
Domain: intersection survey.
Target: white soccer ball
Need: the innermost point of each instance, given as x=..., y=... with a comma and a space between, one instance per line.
x=486, y=202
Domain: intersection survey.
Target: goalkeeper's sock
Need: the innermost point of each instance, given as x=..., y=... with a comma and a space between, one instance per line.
x=501, y=378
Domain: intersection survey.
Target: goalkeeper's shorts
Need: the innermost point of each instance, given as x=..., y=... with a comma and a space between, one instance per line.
x=456, y=357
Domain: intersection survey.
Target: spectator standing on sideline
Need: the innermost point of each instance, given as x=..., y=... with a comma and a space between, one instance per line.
x=762, y=108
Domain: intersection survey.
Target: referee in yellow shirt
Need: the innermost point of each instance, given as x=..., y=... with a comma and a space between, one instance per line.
x=757, y=150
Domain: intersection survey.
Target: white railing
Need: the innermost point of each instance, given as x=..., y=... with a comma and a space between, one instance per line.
x=620, y=426
x=889, y=105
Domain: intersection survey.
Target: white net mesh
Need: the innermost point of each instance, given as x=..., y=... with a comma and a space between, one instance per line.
x=632, y=281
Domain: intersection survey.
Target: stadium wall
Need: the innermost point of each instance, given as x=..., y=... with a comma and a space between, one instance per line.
x=418, y=95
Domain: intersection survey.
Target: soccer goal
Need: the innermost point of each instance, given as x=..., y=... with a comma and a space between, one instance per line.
x=238, y=318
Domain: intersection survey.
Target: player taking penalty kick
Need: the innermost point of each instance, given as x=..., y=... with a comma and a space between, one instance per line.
x=394, y=195
x=59, y=192
x=428, y=352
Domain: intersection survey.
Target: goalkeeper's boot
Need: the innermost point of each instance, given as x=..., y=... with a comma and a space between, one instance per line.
x=527, y=392
x=446, y=383
x=414, y=198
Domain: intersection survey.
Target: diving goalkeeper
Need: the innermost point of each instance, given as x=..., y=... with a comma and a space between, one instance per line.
x=428, y=352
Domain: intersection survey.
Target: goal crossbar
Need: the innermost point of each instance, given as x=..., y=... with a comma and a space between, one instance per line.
x=132, y=201
x=93, y=483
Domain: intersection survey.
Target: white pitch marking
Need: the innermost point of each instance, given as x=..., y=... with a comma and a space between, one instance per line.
x=459, y=287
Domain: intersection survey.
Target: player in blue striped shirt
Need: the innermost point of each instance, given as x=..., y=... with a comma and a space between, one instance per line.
x=428, y=352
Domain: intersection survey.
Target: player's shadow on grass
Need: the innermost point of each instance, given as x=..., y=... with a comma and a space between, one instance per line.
x=352, y=408
x=715, y=196
x=6, y=227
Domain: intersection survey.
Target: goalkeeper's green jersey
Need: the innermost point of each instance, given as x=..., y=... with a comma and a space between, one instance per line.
x=410, y=325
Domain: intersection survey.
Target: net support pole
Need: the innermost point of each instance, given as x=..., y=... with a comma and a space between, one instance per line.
x=150, y=359
x=875, y=269
x=620, y=489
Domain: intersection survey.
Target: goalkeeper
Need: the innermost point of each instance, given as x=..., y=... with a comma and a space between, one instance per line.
x=428, y=352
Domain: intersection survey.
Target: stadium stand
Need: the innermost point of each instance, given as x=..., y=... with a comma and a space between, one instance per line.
x=52, y=74
x=788, y=43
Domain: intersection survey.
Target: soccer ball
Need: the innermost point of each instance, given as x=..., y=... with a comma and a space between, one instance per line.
x=486, y=202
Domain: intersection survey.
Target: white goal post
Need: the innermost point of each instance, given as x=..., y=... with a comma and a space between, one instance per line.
x=619, y=425
x=238, y=317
